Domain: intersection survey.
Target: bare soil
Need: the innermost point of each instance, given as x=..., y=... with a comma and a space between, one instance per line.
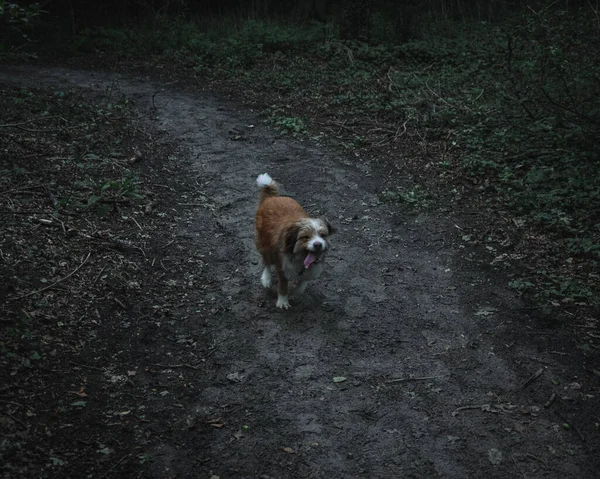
x=406, y=359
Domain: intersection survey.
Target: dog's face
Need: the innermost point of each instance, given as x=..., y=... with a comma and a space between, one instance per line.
x=309, y=237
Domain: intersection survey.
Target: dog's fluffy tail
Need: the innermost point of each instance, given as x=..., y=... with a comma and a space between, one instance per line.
x=267, y=187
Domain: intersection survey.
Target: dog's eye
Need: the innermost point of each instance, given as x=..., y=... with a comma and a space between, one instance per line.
x=304, y=238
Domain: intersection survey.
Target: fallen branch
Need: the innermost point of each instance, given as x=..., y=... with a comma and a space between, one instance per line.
x=498, y=409
x=408, y=380
x=58, y=281
x=11, y=125
x=535, y=375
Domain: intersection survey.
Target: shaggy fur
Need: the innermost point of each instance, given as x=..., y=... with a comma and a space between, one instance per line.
x=289, y=239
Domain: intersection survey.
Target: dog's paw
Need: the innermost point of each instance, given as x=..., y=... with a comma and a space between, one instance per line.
x=282, y=302
x=265, y=279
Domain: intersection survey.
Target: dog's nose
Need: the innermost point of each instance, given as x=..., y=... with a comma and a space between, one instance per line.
x=317, y=245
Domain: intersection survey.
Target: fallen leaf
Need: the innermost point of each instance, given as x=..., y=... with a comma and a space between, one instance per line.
x=289, y=450
x=81, y=393
x=238, y=435
x=79, y=404
x=217, y=425
x=486, y=311
x=495, y=456
x=235, y=377
x=339, y=379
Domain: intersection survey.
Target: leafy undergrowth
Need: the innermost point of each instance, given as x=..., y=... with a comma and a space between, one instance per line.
x=85, y=239
x=497, y=120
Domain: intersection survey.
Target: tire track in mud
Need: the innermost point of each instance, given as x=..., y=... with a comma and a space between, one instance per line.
x=386, y=308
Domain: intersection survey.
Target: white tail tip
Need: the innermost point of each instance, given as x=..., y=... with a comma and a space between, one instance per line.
x=264, y=180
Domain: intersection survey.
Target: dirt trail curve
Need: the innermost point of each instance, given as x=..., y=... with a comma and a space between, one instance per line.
x=391, y=305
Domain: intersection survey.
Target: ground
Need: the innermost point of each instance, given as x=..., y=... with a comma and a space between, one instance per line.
x=407, y=358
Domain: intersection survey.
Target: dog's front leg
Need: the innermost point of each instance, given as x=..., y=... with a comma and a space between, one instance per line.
x=282, y=289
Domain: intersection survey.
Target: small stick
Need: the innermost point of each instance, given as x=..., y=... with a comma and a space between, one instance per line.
x=87, y=367
x=535, y=375
x=100, y=274
x=465, y=408
x=11, y=402
x=116, y=464
x=18, y=421
x=551, y=400
x=182, y=365
x=518, y=468
x=407, y=380
x=138, y=225
x=120, y=303
x=58, y=281
x=29, y=121
x=537, y=459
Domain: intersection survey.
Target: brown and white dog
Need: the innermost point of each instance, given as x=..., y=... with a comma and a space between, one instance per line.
x=289, y=239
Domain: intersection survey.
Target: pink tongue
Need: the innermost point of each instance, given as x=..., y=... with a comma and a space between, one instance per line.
x=310, y=259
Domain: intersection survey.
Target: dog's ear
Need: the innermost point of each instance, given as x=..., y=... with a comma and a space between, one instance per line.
x=330, y=229
x=290, y=236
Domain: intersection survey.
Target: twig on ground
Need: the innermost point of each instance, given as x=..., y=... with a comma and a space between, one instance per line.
x=537, y=459
x=58, y=281
x=26, y=188
x=100, y=274
x=120, y=303
x=11, y=402
x=12, y=418
x=408, y=380
x=518, y=468
x=493, y=408
x=61, y=223
x=174, y=366
x=157, y=91
x=94, y=368
x=551, y=400
x=138, y=225
x=535, y=375
x=11, y=125
x=116, y=464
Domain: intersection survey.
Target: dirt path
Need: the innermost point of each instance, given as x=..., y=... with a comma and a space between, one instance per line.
x=436, y=355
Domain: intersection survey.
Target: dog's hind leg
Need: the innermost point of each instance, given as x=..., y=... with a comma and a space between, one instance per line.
x=301, y=287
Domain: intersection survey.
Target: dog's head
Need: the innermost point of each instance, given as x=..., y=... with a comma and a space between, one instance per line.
x=310, y=238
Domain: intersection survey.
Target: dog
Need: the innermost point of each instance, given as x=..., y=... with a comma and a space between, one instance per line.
x=289, y=239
